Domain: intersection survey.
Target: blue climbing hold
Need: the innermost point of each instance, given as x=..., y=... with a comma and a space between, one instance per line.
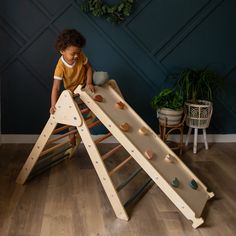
x=175, y=182
x=193, y=184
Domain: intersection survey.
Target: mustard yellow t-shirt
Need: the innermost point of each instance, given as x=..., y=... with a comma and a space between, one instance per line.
x=72, y=75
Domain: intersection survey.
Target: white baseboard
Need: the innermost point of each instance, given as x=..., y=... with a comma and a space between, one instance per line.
x=211, y=138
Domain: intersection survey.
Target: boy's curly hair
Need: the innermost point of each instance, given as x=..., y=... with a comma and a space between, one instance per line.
x=69, y=37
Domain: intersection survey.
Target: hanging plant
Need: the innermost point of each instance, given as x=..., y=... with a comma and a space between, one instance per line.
x=115, y=13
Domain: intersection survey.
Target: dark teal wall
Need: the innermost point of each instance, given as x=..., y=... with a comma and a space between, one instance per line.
x=160, y=37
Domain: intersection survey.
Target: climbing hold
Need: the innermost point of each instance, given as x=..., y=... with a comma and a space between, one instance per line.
x=143, y=131
x=98, y=98
x=175, y=182
x=148, y=154
x=169, y=158
x=193, y=184
x=120, y=105
x=124, y=127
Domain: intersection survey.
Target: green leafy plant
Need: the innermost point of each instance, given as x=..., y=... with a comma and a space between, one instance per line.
x=168, y=98
x=197, y=84
x=115, y=13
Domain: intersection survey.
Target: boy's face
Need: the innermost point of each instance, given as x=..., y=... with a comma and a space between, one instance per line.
x=71, y=54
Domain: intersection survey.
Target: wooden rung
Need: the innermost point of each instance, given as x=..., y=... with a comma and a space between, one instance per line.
x=120, y=166
x=102, y=138
x=52, y=155
x=138, y=193
x=53, y=148
x=94, y=124
x=62, y=136
x=74, y=95
x=55, y=131
x=112, y=151
x=122, y=185
x=85, y=110
x=88, y=118
x=56, y=161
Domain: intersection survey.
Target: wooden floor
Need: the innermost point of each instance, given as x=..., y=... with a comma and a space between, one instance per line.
x=69, y=200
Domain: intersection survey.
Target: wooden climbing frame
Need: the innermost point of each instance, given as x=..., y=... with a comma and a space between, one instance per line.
x=143, y=145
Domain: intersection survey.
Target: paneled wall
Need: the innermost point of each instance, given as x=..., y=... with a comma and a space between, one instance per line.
x=160, y=37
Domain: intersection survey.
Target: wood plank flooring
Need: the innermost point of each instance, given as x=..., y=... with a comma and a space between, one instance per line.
x=68, y=199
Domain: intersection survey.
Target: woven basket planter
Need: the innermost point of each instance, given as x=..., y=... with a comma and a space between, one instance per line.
x=198, y=115
x=169, y=116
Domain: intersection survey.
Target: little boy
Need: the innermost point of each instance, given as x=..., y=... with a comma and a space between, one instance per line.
x=72, y=67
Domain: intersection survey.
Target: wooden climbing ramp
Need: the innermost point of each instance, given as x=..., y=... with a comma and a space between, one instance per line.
x=143, y=145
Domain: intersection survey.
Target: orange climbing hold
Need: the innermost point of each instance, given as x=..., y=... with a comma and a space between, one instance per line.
x=143, y=130
x=98, y=98
x=120, y=105
x=124, y=127
x=149, y=154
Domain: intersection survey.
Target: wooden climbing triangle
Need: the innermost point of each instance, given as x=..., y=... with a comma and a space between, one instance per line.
x=143, y=145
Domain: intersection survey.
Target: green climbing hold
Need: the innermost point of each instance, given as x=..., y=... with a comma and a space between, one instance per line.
x=193, y=184
x=175, y=182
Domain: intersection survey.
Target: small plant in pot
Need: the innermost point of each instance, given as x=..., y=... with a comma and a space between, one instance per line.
x=169, y=106
x=197, y=87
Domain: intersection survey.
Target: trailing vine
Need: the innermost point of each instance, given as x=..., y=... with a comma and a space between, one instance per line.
x=114, y=13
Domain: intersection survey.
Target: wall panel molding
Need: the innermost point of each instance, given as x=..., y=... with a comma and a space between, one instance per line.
x=105, y=34
x=159, y=37
x=190, y=26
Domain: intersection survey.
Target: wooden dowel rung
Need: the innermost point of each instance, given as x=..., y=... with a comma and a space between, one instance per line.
x=94, y=124
x=53, y=154
x=113, y=171
x=88, y=118
x=112, y=151
x=53, y=148
x=75, y=95
x=62, y=136
x=138, y=193
x=50, y=165
x=55, y=131
x=85, y=110
x=102, y=138
x=122, y=185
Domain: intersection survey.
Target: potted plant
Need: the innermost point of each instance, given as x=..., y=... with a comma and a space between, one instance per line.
x=169, y=106
x=197, y=87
